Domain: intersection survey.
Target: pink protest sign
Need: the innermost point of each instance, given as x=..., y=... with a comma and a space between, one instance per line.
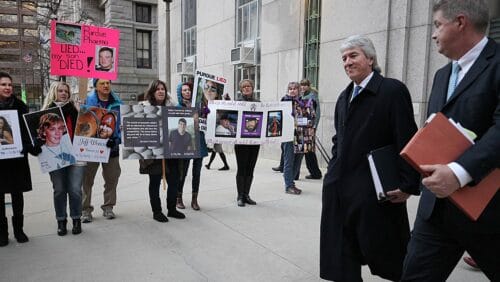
x=84, y=50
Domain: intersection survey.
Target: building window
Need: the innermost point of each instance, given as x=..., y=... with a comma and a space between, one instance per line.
x=143, y=13
x=189, y=28
x=495, y=29
x=143, y=49
x=248, y=13
x=311, y=40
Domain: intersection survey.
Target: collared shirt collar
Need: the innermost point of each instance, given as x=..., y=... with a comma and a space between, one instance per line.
x=362, y=84
x=467, y=60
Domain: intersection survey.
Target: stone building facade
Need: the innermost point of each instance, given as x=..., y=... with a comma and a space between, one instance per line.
x=295, y=38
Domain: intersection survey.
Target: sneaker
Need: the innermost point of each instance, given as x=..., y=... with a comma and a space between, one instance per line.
x=293, y=190
x=86, y=217
x=108, y=213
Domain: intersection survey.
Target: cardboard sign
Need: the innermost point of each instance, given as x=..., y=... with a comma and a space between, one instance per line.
x=252, y=123
x=48, y=128
x=11, y=143
x=84, y=50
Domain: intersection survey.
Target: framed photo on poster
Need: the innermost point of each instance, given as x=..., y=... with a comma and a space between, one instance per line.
x=11, y=143
x=181, y=138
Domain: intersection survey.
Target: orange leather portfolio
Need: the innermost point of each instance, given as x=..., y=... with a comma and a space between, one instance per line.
x=441, y=142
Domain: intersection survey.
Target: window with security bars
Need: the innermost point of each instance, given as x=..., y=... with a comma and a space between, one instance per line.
x=189, y=28
x=495, y=29
x=142, y=13
x=143, y=49
x=248, y=14
x=312, y=27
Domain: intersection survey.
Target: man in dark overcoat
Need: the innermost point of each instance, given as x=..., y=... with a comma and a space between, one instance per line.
x=467, y=90
x=372, y=112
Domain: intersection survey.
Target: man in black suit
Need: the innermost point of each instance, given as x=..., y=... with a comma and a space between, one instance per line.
x=372, y=112
x=468, y=91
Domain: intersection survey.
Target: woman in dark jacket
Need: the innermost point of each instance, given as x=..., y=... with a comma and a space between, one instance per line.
x=184, y=96
x=246, y=155
x=156, y=95
x=67, y=181
x=15, y=173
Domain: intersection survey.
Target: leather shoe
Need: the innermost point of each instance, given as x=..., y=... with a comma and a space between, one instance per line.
x=160, y=217
x=241, y=202
x=175, y=214
x=224, y=168
x=313, y=177
x=248, y=200
x=278, y=168
x=470, y=261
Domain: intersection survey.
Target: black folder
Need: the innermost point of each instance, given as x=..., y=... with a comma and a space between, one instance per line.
x=385, y=170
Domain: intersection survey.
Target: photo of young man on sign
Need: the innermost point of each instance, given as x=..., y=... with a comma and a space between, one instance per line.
x=105, y=58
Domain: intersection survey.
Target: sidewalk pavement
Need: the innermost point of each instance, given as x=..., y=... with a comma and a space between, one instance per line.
x=276, y=240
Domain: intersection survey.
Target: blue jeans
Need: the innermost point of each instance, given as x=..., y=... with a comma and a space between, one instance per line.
x=67, y=182
x=291, y=164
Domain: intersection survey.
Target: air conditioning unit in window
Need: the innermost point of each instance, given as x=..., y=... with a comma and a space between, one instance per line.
x=185, y=68
x=243, y=56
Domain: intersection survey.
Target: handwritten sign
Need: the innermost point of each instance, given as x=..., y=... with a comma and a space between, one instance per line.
x=84, y=50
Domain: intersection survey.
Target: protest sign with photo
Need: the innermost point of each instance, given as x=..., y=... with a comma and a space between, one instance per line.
x=84, y=50
x=11, y=143
x=207, y=87
x=154, y=132
x=305, y=133
x=240, y=122
x=48, y=129
x=141, y=132
x=94, y=127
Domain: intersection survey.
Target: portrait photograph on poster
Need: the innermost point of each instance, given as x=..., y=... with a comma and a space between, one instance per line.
x=94, y=126
x=305, y=133
x=181, y=133
x=227, y=121
x=105, y=58
x=251, y=125
x=48, y=129
x=11, y=143
x=274, y=122
x=207, y=87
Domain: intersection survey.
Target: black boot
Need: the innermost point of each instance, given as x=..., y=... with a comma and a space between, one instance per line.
x=224, y=160
x=17, y=223
x=173, y=212
x=4, y=232
x=61, y=227
x=77, y=226
x=241, y=202
x=246, y=194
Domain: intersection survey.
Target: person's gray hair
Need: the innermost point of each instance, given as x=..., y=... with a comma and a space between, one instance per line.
x=293, y=83
x=366, y=45
x=476, y=10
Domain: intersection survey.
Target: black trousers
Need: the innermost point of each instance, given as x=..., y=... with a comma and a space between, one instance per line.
x=312, y=164
x=174, y=173
x=17, y=204
x=196, y=173
x=436, y=247
x=246, y=159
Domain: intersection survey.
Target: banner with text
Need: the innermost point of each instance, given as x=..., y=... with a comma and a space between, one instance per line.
x=207, y=87
x=154, y=132
x=84, y=50
x=239, y=122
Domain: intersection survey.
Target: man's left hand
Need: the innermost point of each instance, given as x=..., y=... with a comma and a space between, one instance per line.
x=441, y=180
x=397, y=196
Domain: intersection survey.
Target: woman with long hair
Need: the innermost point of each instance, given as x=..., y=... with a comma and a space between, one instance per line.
x=184, y=96
x=67, y=181
x=15, y=173
x=156, y=95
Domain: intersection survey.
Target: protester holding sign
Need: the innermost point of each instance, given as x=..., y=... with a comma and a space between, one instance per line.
x=103, y=97
x=15, y=173
x=67, y=181
x=156, y=95
x=246, y=155
x=291, y=161
x=184, y=95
